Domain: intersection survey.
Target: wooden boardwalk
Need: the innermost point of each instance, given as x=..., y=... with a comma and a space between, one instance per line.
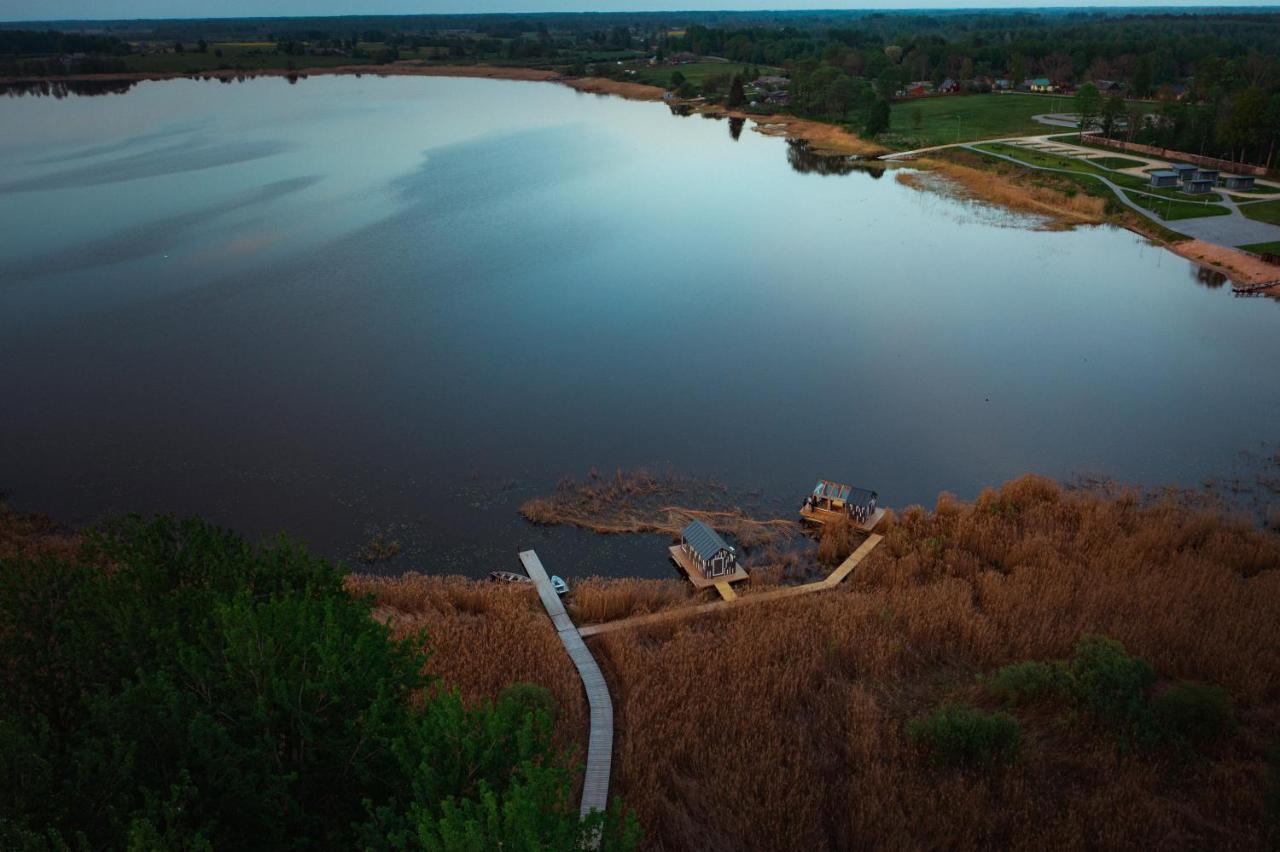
x=595, y=783
x=829, y=582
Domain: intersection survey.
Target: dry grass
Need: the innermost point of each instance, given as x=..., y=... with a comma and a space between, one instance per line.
x=619, y=88
x=597, y=600
x=26, y=534
x=837, y=540
x=638, y=502
x=998, y=186
x=482, y=637
x=823, y=138
x=781, y=726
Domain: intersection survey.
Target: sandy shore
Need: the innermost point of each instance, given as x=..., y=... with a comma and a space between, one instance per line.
x=1244, y=269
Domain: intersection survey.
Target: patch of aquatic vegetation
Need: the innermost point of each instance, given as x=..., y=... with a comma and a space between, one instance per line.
x=640, y=502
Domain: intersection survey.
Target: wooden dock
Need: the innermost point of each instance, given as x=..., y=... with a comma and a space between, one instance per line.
x=823, y=516
x=595, y=783
x=681, y=559
x=829, y=582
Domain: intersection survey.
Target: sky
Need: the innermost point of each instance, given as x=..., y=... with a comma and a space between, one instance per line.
x=45, y=10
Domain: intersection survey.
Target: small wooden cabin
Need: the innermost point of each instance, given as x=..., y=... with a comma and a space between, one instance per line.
x=1185, y=171
x=834, y=498
x=1164, y=178
x=1237, y=181
x=708, y=552
x=1198, y=186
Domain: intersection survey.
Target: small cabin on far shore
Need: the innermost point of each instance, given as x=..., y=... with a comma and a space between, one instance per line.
x=708, y=552
x=1164, y=178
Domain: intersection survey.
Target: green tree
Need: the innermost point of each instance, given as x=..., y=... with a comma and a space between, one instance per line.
x=1018, y=71
x=173, y=687
x=877, y=118
x=1088, y=106
x=1112, y=112
x=737, y=96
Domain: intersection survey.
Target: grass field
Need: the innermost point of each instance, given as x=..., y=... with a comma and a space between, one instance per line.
x=924, y=122
x=1264, y=248
x=1116, y=162
x=1262, y=211
x=1171, y=210
x=1035, y=157
x=694, y=72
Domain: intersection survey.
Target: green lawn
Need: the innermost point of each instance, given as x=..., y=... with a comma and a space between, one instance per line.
x=694, y=72
x=1262, y=211
x=1171, y=210
x=1116, y=162
x=1264, y=248
x=1036, y=157
x=923, y=122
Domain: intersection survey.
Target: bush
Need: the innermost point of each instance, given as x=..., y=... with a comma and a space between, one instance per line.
x=1194, y=712
x=1021, y=683
x=171, y=686
x=957, y=735
x=1113, y=685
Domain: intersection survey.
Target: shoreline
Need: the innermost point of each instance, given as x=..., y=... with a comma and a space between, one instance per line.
x=822, y=138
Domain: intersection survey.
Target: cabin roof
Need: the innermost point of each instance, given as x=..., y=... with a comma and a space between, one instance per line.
x=1183, y=167
x=705, y=541
x=1164, y=174
x=847, y=493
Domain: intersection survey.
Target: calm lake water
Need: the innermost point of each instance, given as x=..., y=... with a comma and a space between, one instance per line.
x=407, y=304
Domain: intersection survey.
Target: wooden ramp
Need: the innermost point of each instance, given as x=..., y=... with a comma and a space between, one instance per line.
x=595, y=783
x=726, y=591
x=829, y=582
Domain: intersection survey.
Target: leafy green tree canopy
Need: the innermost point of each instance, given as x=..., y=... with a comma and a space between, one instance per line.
x=174, y=687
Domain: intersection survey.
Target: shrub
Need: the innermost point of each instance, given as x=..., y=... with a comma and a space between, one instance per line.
x=957, y=735
x=171, y=686
x=1113, y=685
x=1192, y=711
x=1020, y=683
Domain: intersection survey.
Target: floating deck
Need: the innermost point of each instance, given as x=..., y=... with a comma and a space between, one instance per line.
x=595, y=782
x=695, y=576
x=823, y=516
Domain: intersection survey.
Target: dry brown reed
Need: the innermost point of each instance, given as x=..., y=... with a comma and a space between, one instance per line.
x=597, y=600
x=837, y=540
x=781, y=726
x=482, y=637
x=1004, y=187
x=638, y=502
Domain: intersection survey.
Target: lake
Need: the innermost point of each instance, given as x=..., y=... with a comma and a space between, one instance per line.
x=351, y=305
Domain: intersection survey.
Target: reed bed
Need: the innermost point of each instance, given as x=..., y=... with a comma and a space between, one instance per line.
x=482, y=637
x=638, y=502
x=782, y=726
x=597, y=600
x=996, y=185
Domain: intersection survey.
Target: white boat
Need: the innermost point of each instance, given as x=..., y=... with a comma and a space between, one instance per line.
x=561, y=587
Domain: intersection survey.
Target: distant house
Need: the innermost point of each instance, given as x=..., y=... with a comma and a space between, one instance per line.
x=1208, y=174
x=1002, y=84
x=1108, y=87
x=684, y=57
x=708, y=552
x=1184, y=171
x=771, y=81
x=1043, y=84
x=949, y=87
x=1164, y=178
x=918, y=89
x=1198, y=186
x=1237, y=181
x=832, y=499
x=779, y=98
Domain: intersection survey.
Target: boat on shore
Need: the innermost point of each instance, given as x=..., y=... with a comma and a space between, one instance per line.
x=508, y=577
x=561, y=587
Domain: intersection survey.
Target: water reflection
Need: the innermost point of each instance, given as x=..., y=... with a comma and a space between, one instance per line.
x=63, y=88
x=1207, y=277
x=807, y=161
x=735, y=128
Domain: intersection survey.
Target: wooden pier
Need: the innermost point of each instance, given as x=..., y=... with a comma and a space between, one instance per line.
x=595, y=783
x=829, y=582
x=824, y=516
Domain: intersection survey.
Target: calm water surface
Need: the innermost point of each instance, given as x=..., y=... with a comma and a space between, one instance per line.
x=406, y=304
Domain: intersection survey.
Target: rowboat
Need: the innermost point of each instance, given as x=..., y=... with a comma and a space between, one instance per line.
x=508, y=577
x=561, y=587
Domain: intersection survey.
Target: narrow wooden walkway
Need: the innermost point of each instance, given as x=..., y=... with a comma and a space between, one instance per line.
x=595, y=783
x=829, y=582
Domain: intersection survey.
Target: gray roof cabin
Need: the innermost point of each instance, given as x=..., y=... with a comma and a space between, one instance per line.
x=711, y=553
x=1164, y=178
